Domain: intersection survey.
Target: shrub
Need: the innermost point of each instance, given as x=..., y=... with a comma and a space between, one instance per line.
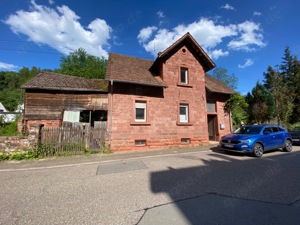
x=30, y=154
x=9, y=129
x=4, y=156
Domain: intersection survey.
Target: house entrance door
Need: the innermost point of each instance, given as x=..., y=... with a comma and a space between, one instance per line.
x=212, y=121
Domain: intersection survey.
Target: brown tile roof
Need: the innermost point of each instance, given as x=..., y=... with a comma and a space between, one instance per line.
x=214, y=85
x=134, y=70
x=55, y=81
x=131, y=70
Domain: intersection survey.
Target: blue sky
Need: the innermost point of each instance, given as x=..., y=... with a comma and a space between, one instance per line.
x=245, y=37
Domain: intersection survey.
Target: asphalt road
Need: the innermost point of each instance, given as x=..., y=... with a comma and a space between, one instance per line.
x=178, y=186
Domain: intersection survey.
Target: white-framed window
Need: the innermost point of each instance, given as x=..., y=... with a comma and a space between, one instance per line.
x=184, y=75
x=183, y=113
x=140, y=111
x=71, y=116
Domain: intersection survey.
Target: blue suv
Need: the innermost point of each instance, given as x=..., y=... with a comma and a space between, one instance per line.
x=257, y=139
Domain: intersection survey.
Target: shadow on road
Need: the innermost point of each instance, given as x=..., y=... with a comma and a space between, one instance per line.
x=229, y=190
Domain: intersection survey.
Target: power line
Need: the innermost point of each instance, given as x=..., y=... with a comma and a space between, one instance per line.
x=31, y=47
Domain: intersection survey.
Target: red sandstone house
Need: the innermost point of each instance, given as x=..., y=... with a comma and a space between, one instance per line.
x=148, y=104
x=168, y=102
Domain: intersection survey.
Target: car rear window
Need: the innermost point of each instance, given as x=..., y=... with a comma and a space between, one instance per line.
x=275, y=129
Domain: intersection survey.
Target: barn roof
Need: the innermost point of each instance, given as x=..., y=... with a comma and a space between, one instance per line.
x=55, y=81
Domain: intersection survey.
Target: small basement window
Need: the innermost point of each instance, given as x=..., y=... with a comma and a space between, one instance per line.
x=185, y=140
x=140, y=142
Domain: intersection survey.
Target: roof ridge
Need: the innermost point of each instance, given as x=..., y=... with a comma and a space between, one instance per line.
x=127, y=56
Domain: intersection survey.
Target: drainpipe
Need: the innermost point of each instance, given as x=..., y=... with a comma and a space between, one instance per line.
x=230, y=121
x=110, y=113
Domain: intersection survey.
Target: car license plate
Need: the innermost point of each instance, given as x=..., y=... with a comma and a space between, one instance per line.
x=295, y=139
x=228, y=146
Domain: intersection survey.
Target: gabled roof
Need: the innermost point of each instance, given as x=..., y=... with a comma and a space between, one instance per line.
x=55, y=81
x=128, y=69
x=214, y=85
x=194, y=47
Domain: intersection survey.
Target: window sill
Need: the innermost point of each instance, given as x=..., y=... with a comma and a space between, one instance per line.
x=140, y=123
x=184, y=124
x=184, y=85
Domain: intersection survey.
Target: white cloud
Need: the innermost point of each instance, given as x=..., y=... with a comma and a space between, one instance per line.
x=215, y=54
x=146, y=33
x=251, y=36
x=208, y=34
x=255, y=13
x=59, y=28
x=248, y=62
x=228, y=7
x=6, y=66
x=160, y=14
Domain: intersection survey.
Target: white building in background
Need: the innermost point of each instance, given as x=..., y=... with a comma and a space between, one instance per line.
x=10, y=117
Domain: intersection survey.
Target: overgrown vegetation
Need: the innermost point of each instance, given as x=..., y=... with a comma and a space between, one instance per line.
x=44, y=151
x=20, y=155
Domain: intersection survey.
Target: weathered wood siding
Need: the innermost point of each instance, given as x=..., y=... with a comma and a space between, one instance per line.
x=49, y=105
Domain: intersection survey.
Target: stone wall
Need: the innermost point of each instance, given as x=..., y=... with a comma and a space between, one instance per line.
x=8, y=144
x=19, y=143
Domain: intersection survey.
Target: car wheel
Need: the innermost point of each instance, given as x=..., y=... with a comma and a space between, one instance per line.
x=288, y=146
x=258, y=150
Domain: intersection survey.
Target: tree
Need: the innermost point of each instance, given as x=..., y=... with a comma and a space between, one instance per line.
x=10, y=82
x=286, y=66
x=283, y=96
x=261, y=104
x=238, y=107
x=222, y=75
x=295, y=84
x=79, y=63
x=284, y=85
x=25, y=74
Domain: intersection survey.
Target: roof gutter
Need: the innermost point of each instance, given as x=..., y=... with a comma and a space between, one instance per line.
x=144, y=84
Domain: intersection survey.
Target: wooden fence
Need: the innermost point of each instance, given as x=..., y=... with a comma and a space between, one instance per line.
x=72, y=140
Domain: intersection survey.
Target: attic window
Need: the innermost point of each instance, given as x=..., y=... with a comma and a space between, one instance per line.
x=183, y=50
x=184, y=75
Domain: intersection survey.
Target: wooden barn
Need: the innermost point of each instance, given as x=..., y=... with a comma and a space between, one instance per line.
x=52, y=98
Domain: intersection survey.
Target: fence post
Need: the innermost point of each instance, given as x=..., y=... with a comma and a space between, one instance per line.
x=87, y=134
